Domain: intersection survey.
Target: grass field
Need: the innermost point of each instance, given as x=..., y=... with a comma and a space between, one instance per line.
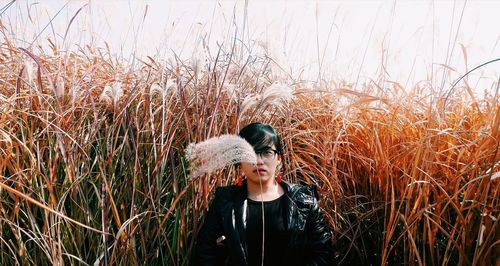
x=92, y=158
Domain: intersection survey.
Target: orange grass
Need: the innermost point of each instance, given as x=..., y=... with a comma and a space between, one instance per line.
x=90, y=177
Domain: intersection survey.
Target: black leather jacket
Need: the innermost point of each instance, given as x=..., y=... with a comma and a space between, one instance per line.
x=222, y=239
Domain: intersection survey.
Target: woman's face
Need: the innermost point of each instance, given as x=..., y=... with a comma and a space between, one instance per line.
x=265, y=169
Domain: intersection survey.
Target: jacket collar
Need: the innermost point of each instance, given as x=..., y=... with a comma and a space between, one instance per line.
x=290, y=206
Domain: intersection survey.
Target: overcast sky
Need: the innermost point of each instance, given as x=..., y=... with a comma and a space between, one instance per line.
x=412, y=39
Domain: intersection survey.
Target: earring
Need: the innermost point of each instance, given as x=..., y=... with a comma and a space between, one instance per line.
x=239, y=181
x=278, y=179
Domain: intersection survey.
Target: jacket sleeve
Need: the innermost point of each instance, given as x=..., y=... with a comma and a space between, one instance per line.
x=319, y=248
x=208, y=250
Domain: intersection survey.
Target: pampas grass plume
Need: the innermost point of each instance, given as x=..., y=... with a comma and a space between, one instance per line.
x=277, y=93
x=112, y=94
x=218, y=152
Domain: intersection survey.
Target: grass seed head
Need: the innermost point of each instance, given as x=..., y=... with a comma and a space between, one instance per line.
x=218, y=152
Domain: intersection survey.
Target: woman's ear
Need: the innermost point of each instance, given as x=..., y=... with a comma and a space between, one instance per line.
x=279, y=165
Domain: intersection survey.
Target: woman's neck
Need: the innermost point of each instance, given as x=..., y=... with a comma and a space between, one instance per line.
x=270, y=191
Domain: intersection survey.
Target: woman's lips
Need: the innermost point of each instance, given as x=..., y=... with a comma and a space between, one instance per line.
x=259, y=170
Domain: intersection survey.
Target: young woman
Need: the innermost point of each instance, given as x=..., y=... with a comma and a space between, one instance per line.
x=263, y=207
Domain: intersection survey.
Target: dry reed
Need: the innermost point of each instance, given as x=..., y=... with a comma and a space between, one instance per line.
x=93, y=170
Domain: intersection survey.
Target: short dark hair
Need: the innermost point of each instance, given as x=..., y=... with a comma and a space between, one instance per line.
x=260, y=136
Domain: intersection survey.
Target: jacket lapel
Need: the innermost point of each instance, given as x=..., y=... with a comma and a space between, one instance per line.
x=290, y=208
x=295, y=218
x=240, y=211
x=238, y=222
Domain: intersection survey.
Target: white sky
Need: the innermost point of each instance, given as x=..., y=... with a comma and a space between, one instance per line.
x=413, y=39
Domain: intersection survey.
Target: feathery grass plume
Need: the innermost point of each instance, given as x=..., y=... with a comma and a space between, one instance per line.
x=30, y=71
x=495, y=176
x=277, y=94
x=156, y=89
x=218, y=152
x=112, y=94
x=76, y=91
x=250, y=101
x=161, y=91
x=232, y=91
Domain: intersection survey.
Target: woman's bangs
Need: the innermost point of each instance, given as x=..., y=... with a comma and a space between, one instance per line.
x=262, y=141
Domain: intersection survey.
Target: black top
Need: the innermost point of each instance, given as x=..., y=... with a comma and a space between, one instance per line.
x=275, y=234
x=220, y=241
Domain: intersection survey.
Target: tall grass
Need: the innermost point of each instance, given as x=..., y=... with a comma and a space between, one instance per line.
x=92, y=167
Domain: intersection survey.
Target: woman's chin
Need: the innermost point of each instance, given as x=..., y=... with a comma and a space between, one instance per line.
x=258, y=179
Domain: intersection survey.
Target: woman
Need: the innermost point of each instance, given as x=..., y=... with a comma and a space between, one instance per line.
x=295, y=232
